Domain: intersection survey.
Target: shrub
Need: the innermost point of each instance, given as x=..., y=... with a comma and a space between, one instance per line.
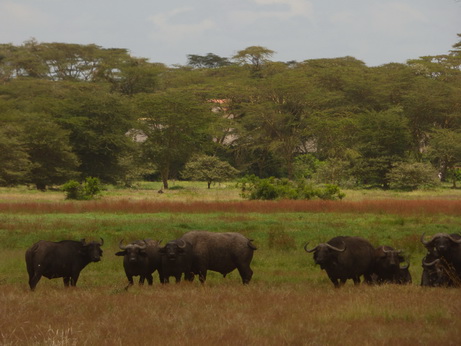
x=82, y=191
x=412, y=176
x=272, y=188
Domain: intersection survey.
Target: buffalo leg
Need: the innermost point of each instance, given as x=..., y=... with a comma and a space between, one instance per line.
x=356, y=280
x=66, y=281
x=150, y=279
x=33, y=281
x=74, y=279
x=202, y=276
x=141, y=279
x=246, y=274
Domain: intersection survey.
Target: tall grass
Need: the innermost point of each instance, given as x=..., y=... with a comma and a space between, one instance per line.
x=230, y=314
x=290, y=301
x=398, y=207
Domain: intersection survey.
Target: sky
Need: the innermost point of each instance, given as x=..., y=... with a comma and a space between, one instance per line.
x=376, y=32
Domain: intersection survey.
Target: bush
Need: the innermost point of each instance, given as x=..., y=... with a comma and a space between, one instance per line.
x=82, y=191
x=271, y=188
x=412, y=176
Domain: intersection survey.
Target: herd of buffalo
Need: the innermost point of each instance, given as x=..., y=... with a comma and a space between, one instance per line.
x=196, y=252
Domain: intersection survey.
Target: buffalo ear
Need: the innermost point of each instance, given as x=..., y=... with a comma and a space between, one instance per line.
x=120, y=253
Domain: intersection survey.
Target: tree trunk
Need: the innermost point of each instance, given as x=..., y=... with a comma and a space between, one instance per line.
x=165, y=172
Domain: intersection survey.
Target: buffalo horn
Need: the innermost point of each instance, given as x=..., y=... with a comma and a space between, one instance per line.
x=457, y=241
x=122, y=247
x=310, y=250
x=422, y=239
x=141, y=246
x=102, y=242
x=336, y=248
x=430, y=264
x=181, y=244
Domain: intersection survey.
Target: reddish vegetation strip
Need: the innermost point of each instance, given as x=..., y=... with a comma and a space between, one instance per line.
x=391, y=206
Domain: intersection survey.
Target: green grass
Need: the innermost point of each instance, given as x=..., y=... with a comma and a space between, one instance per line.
x=289, y=301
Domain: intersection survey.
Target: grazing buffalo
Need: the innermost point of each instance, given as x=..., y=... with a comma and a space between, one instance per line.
x=345, y=258
x=64, y=259
x=220, y=252
x=176, y=259
x=140, y=257
x=387, y=268
x=445, y=246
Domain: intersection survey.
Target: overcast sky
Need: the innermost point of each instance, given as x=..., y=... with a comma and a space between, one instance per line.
x=374, y=31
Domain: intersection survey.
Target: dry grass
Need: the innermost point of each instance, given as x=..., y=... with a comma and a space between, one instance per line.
x=390, y=206
x=230, y=314
x=289, y=302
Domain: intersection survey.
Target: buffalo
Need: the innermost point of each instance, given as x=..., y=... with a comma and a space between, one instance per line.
x=447, y=247
x=140, y=258
x=437, y=273
x=220, y=252
x=64, y=259
x=176, y=259
x=345, y=258
x=387, y=267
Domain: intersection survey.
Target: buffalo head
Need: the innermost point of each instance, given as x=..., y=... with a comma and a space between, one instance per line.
x=92, y=250
x=173, y=249
x=441, y=244
x=133, y=251
x=387, y=258
x=324, y=253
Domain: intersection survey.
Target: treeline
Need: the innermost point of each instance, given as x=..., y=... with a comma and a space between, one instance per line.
x=71, y=111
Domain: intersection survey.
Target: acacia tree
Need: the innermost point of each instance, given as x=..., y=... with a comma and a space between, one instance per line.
x=176, y=124
x=255, y=56
x=208, y=168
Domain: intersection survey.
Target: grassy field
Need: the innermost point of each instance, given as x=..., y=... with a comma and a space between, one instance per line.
x=290, y=301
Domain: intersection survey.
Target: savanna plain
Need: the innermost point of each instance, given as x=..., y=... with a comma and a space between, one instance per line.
x=289, y=301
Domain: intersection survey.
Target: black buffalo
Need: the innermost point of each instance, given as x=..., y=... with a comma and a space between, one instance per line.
x=140, y=258
x=345, y=258
x=64, y=259
x=220, y=252
x=386, y=267
x=176, y=259
x=437, y=273
x=447, y=247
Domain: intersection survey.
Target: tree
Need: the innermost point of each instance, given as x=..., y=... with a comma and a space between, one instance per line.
x=382, y=140
x=208, y=168
x=176, y=124
x=208, y=61
x=15, y=164
x=254, y=56
x=98, y=122
x=445, y=152
x=50, y=152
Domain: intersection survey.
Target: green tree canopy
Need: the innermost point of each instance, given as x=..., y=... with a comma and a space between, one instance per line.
x=208, y=168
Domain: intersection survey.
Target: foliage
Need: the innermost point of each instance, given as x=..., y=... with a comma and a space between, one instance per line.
x=15, y=164
x=87, y=190
x=272, y=188
x=208, y=168
x=334, y=121
x=412, y=176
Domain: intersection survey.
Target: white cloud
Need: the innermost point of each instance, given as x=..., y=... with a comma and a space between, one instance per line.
x=275, y=9
x=295, y=7
x=168, y=29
